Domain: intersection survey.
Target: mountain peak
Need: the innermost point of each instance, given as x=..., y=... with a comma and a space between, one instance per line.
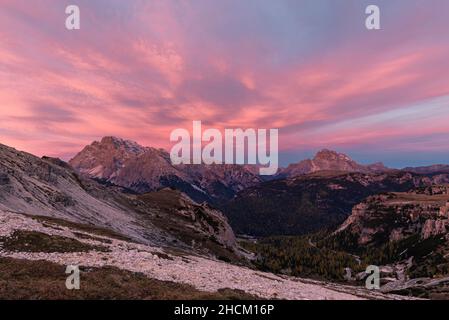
x=330, y=160
x=111, y=139
x=326, y=154
x=119, y=143
x=104, y=158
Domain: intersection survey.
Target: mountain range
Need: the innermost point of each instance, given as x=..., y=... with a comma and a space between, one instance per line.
x=304, y=197
x=143, y=169
x=129, y=245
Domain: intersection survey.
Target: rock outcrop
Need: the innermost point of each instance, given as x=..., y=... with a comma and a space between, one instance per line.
x=406, y=233
x=396, y=216
x=433, y=227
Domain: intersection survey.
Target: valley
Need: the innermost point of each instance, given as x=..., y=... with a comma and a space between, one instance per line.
x=313, y=202
x=405, y=234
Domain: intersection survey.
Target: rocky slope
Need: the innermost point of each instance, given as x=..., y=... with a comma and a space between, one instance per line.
x=327, y=160
x=311, y=202
x=38, y=240
x=200, y=226
x=50, y=187
x=144, y=169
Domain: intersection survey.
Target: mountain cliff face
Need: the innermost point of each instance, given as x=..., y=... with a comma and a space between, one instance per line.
x=142, y=169
x=407, y=235
x=327, y=160
x=387, y=217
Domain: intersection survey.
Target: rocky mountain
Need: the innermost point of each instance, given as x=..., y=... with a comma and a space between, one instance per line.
x=50, y=187
x=143, y=169
x=327, y=160
x=311, y=202
x=202, y=227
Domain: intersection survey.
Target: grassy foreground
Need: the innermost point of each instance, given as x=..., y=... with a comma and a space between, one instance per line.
x=43, y=280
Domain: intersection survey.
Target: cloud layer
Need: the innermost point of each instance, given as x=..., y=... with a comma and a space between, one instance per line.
x=139, y=69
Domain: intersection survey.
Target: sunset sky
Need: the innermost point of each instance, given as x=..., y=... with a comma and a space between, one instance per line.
x=138, y=69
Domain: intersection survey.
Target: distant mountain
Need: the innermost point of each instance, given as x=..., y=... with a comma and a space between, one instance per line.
x=312, y=202
x=143, y=169
x=443, y=168
x=328, y=160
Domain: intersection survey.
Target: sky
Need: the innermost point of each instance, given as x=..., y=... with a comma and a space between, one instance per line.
x=138, y=69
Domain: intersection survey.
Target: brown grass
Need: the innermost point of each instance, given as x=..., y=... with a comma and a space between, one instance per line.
x=33, y=241
x=42, y=280
x=89, y=237
x=401, y=197
x=99, y=231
